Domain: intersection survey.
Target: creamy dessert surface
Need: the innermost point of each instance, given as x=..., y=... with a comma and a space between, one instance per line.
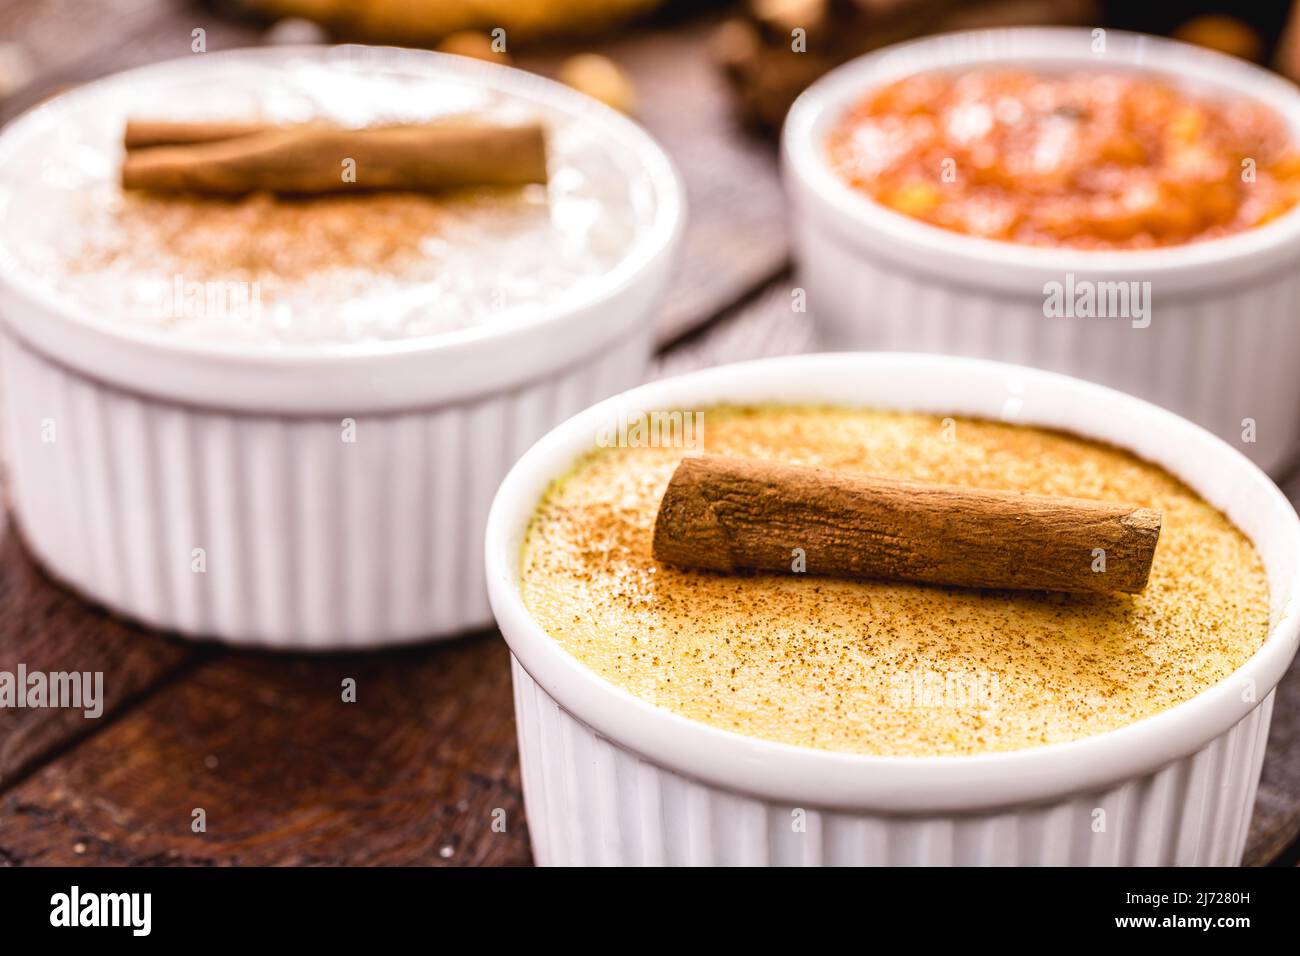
x=288, y=273
x=890, y=668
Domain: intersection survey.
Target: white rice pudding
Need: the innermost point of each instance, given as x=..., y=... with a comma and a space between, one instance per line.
x=319, y=272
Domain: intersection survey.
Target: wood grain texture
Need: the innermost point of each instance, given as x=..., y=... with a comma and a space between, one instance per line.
x=50, y=629
x=72, y=41
x=57, y=35
x=735, y=238
x=410, y=773
x=764, y=324
x=416, y=771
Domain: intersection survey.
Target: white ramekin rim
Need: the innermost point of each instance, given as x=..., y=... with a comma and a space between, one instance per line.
x=408, y=372
x=858, y=219
x=935, y=384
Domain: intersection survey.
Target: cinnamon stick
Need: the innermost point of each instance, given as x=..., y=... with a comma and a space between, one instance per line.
x=316, y=158
x=724, y=514
x=143, y=133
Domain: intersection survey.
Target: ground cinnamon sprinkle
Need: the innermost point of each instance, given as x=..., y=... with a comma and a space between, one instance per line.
x=325, y=270
x=263, y=238
x=892, y=668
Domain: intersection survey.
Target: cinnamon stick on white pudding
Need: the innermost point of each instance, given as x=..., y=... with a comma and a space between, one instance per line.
x=231, y=159
x=143, y=133
x=725, y=514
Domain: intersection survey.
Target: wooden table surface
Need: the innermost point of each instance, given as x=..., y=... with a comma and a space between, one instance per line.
x=412, y=772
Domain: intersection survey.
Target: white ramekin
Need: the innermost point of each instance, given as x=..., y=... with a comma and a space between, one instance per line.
x=611, y=779
x=208, y=490
x=1222, y=333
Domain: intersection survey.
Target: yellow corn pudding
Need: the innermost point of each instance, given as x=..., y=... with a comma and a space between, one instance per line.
x=883, y=667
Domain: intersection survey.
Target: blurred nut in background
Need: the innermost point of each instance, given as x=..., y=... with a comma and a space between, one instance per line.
x=473, y=44
x=419, y=22
x=773, y=49
x=600, y=78
x=16, y=69
x=296, y=31
x=1225, y=34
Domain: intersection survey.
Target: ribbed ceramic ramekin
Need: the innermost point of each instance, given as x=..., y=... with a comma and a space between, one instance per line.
x=210, y=490
x=1222, y=328
x=611, y=779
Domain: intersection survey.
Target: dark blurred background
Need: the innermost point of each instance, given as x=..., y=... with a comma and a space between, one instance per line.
x=48, y=44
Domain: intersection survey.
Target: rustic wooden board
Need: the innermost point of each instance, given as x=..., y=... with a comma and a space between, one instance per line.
x=71, y=41
x=285, y=771
x=416, y=771
x=49, y=629
x=735, y=235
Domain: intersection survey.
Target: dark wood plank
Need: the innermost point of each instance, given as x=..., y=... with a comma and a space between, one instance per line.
x=56, y=34
x=1275, y=829
x=49, y=629
x=1275, y=826
x=736, y=227
x=416, y=771
x=71, y=41
x=764, y=325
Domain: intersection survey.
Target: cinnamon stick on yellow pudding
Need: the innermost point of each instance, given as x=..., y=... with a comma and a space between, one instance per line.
x=872, y=665
x=232, y=159
x=726, y=513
